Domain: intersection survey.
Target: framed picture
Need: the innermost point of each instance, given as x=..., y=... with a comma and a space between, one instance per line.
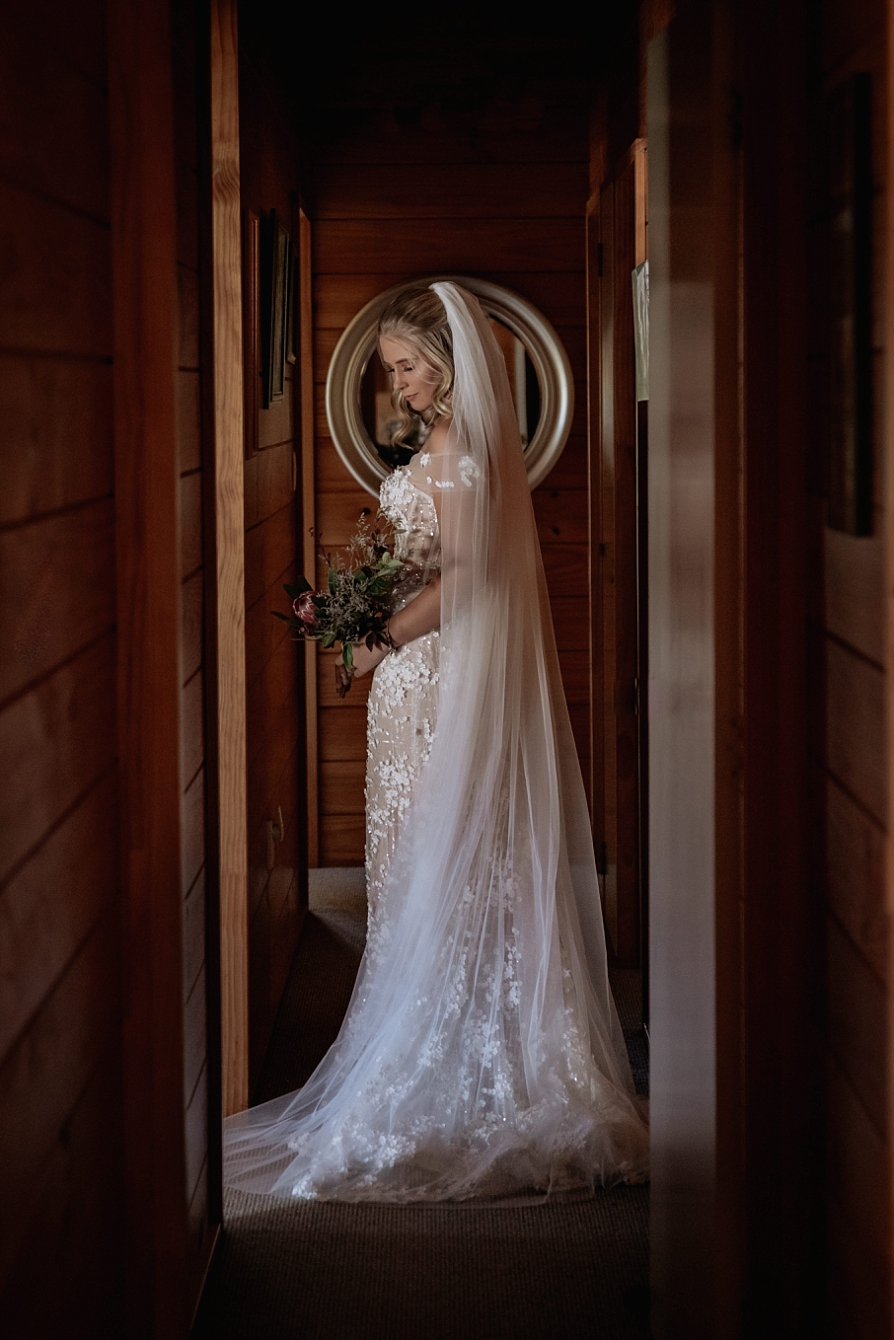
x=277, y=307
x=849, y=441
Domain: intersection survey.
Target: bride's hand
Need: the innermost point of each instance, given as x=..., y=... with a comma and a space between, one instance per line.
x=364, y=661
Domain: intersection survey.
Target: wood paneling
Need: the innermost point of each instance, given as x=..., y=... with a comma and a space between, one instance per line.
x=462, y=246
x=51, y=904
x=229, y=602
x=55, y=585
x=855, y=715
x=49, y=409
x=492, y=191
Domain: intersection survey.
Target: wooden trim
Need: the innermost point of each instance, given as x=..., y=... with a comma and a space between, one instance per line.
x=252, y=327
x=229, y=526
x=309, y=554
x=144, y=264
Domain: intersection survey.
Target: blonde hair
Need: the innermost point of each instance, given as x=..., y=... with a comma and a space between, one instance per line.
x=417, y=315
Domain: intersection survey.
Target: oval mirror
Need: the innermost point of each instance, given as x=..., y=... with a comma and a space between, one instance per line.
x=358, y=399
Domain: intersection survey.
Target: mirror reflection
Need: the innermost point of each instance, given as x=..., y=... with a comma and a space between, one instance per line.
x=378, y=414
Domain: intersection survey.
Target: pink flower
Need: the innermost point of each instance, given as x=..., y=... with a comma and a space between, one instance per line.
x=304, y=609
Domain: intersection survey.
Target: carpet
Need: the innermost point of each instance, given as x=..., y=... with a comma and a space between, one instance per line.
x=305, y=1271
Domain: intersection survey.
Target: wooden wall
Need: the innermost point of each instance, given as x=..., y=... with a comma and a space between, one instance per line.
x=274, y=671
x=60, y=1077
x=850, y=628
x=193, y=447
x=500, y=195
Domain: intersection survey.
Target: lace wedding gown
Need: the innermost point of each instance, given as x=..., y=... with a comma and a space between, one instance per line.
x=481, y=1055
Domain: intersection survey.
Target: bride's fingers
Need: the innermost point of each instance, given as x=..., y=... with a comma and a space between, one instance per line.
x=343, y=677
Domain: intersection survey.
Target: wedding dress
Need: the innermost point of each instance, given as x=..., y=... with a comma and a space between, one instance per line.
x=481, y=1055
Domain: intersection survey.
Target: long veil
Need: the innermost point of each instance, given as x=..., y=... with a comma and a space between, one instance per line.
x=481, y=1054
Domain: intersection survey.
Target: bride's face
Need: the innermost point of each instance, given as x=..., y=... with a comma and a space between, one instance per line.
x=409, y=375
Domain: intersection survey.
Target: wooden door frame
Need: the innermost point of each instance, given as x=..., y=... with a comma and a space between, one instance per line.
x=226, y=601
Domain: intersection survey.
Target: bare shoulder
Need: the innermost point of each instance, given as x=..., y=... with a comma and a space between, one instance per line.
x=436, y=442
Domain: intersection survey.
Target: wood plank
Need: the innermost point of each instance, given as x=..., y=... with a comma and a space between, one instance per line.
x=50, y=905
x=56, y=741
x=506, y=134
x=192, y=831
x=188, y=411
x=858, y=1309
x=269, y=485
x=57, y=297
x=342, y=733
x=190, y=517
x=855, y=863
x=47, y=1070
x=273, y=781
x=264, y=634
x=342, y=787
x=364, y=248
x=338, y=515
x=342, y=839
x=196, y=1133
x=277, y=423
x=229, y=598
x=73, y=1219
x=56, y=589
x=191, y=625
x=193, y=933
x=857, y=1011
x=195, y=1038
x=575, y=668
x=855, y=590
x=855, y=716
x=273, y=704
x=567, y=569
x=192, y=728
x=571, y=622
x=308, y=513
x=269, y=548
x=562, y=516
x=558, y=293
x=78, y=36
x=57, y=423
x=55, y=125
x=856, y=1153
x=490, y=191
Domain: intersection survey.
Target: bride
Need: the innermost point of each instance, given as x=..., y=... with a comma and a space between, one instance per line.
x=481, y=1055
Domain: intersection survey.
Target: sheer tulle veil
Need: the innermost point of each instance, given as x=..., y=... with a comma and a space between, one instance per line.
x=481, y=1054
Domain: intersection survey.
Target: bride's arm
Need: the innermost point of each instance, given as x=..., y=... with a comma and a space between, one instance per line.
x=421, y=616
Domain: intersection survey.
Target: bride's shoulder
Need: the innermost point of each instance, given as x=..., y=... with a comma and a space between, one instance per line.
x=437, y=442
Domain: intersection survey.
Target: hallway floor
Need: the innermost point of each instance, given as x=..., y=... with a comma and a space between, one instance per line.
x=577, y=1268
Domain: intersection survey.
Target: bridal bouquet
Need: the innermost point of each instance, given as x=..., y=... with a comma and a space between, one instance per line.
x=356, y=603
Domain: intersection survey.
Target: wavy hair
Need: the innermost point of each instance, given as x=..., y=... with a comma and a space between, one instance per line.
x=417, y=315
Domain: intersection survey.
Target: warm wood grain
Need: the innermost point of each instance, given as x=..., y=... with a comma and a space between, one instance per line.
x=341, y=839
x=56, y=741
x=492, y=191
x=191, y=625
x=269, y=550
x=342, y=733
x=189, y=420
x=854, y=590
x=856, y=1015
x=308, y=460
x=192, y=824
x=42, y=1078
x=191, y=548
x=51, y=904
x=230, y=573
x=271, y=701
x=857, y=1152
x=56, y=590
x=193, y=933
x=56, y=298
x=855, y=871
x=855, y=707
x=268, y=482
x=338, y=297
x=192, y=728
x=459, y=245
x=341, y=787
x=49, y=411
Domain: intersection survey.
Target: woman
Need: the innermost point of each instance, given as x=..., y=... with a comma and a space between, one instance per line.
x=481, y=1055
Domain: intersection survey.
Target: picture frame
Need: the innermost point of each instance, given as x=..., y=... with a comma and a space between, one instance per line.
x=277, y=307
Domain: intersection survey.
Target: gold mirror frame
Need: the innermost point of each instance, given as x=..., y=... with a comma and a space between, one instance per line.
x=543, y=346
